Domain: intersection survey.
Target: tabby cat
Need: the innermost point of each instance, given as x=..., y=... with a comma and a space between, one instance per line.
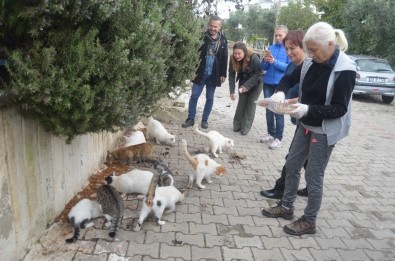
x=204, y=167
x=130, y=154
x=81, y=214
x=112, y=206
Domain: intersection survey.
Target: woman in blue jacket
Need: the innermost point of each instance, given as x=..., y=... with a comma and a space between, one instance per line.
x=274, y=63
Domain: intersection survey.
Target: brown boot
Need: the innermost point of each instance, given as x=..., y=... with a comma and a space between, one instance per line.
x=279, y=211
x=300, y=227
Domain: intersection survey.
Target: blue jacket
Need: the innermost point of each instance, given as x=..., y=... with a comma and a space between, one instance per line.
x=275, y=71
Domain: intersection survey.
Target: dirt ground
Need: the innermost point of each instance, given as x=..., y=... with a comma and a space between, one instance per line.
x=166, y=115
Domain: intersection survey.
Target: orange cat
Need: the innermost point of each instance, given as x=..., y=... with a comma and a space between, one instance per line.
x=131, y=153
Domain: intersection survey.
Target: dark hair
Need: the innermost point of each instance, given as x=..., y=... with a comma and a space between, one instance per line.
x=241, y=46
x=215, y=18
x=295, y=37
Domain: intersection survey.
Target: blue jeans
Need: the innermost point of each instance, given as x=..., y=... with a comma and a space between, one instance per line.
x=196, y=92
x=274, y=121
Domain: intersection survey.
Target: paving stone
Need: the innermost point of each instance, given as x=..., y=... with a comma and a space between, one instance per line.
x=117, y=247
x=326, y=243
x=179, y=251
x=382, y=244
x=220, y=219
x=247, y=241
x=264, y=254
x=195, y=217
x=153, y=237
x=226, y=240
x=380, y=255
x=257, y=231
x=151, y=250
x=199, y=253
x=326, y=254
x=280, y=242
x=358, y=254
x=237, y=254
x=79, y=256
x=186, y=239
x=304, y=241
x=202, y=228
x=296, y=254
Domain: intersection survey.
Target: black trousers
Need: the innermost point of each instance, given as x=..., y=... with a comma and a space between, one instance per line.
x=280, y=182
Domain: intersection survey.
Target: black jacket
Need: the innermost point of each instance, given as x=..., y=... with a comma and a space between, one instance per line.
x=220, y=63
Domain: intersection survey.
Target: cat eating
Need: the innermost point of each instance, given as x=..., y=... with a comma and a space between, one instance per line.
x=216, y=141
x=112, y=206
x=204, y=167
x=130, y=154
x=156, y=131
x=81, y=215
x=134, y=181
x=164, y=198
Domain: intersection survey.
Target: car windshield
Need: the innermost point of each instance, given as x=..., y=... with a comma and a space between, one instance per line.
x=373, y=65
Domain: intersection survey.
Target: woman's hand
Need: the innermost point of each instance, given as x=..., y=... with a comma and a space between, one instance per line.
x=233, y=96
x=243, y=89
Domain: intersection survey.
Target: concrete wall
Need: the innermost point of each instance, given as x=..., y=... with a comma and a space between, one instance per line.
x=39, y=174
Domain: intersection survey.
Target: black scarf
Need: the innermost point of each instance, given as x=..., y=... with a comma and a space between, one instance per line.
x=209, y=40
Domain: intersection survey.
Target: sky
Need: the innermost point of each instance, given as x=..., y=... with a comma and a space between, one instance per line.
x=225, y=6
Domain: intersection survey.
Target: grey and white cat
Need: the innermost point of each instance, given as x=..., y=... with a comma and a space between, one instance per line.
x=216, y=141
x=156, y=131
x=81, y=215
x=112, y=206
x=165, y=198
x=204, y=167
x=134, y=181
x=166, y=177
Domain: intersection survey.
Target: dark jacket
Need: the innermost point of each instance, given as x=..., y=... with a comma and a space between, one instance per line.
x=220, y=63
x=249, y=79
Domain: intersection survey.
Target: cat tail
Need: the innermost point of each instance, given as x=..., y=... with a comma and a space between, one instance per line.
x=115, y=224
x=191, y=159
x=196, y=129
x=76, y=234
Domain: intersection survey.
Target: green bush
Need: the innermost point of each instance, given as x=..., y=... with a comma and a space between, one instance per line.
x=88, y=66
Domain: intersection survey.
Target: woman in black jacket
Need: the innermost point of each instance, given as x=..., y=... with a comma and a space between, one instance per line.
x=246, y=65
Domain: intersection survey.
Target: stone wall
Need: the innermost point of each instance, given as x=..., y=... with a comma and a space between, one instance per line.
x=39, y=174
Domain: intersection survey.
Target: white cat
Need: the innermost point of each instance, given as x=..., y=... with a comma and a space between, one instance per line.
x=155, y=130
x=165, y=198
x=204, y=167
x=81, y=214
x=134, y=181
x=137, y=137
x=216, y=141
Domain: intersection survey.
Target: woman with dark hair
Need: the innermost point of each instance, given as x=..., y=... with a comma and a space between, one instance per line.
x=295, y=52
x=244, y=66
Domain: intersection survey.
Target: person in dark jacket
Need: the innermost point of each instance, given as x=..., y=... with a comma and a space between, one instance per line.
x=211, y=71
x=246, y=64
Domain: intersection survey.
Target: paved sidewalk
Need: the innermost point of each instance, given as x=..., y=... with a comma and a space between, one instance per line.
x=224, y=221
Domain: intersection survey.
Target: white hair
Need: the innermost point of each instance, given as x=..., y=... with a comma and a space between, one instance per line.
x=282, y=27
x=323, y=33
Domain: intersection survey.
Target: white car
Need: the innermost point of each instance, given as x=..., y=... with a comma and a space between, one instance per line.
x=374, y=77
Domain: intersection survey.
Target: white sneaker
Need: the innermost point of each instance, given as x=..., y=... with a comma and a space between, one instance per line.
x=266, y=138
x=275, y=144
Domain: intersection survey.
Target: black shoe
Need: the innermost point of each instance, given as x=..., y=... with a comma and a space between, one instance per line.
x=272, y=193
x=204, y=125
x=243, y=132
x=188, y=123
x=302, y=192
x=236, y=129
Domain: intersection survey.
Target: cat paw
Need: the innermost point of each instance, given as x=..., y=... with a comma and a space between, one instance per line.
x=209, y=181
x=90, y=224
x=107, y=224
x=201, y=186
x=161, y=222
x=137, y=227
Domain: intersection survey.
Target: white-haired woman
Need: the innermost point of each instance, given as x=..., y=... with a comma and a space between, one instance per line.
x=326, y=81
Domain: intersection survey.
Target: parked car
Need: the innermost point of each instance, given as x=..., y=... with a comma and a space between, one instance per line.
x=374, y=77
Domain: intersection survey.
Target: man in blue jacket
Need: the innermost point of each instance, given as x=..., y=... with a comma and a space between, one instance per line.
x=274, y=63
x=211, y=71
